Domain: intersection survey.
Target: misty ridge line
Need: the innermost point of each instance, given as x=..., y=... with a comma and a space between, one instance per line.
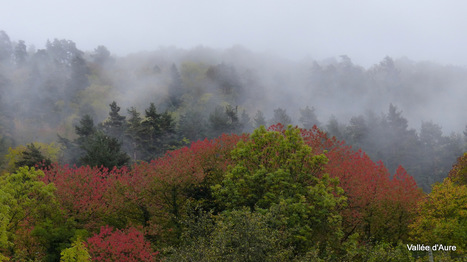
x=335, y=87
x=395, y=110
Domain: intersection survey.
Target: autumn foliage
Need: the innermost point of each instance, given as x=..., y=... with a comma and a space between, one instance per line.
x=109, y=204
x=379, y=206
x=120, y=245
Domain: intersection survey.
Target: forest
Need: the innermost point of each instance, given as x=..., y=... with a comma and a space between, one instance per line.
x=228, y=155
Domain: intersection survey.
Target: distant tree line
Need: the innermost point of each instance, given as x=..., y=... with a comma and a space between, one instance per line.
x=61, y=89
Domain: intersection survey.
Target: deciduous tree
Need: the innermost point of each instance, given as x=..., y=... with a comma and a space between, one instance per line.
x=276, y=170
x=120, y=245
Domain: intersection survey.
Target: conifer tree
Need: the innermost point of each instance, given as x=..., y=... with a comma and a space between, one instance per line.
x=259, y=119
x=115, y=125
x=102, y=150
x=134, y=133
x=308, y=118
x=32, y=157
x=280, y=116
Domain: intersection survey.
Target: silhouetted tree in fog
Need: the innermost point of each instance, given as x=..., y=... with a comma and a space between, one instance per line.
x=224, y=120
x=259, y=119
x=192, y=125
x=308, y=118
x=175, y=87
x=101, y=55
x=20, y=53
x=280, y=116
x=5, y=47
x=115, y=125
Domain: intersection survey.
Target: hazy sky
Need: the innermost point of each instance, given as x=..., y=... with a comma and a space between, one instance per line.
x=366, y=31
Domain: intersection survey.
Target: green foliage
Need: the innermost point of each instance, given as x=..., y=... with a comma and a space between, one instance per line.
x=154, y=132
x=278, y=172
x=4, y=217
x=33, y=154
x=224, y=121
x=192, y=126
x=32, y=157
x=24, y=201
x=76, y=253
x=102, y=150
x=115, y=124
x=53, y=234
x=85, y=129
x=458, y=173
x=442, y=217
x=238, y=235
x=387, y=252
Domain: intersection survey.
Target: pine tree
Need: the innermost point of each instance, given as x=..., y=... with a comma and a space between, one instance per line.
x=102, y=150
x=224, y=121
x=85, y=129
x=259, y=119
x=308, y=118
x=134, y=133
x=32, y=157
x=192, y=126
x=280, y=116
x=156, y=132
x=115, y=125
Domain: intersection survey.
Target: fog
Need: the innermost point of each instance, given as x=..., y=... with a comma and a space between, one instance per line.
x=389, y=78
x=366, y=31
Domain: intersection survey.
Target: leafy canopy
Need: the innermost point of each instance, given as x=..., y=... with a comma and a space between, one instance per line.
x=277, y=172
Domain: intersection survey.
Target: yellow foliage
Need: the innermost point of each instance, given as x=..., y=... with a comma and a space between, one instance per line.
x=442, y=217
x=77, y=252
x=51, y=151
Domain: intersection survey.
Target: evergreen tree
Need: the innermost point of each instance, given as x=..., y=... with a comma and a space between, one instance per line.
x=134, y=133
x=245, y=122
x=101, y=55
x=156, y=132
x=259, y=119
x=78, y=80
x=102, y=150
x=115, y=125
x=308, y=118
x=192, y=126
x=85, y=129
x=334, y=128
x=233, y=120
x=218, y=122
x=357, y=131
x=280, y=116
x=20, y=53
x=32, y=157
x=73, y=149
x=224, y=121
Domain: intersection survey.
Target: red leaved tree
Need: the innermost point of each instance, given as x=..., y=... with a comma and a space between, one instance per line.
x=378, y=206
x=83, y=192
x=120, y=245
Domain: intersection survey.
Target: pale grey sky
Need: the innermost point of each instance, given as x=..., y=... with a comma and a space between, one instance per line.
x=365, y=30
